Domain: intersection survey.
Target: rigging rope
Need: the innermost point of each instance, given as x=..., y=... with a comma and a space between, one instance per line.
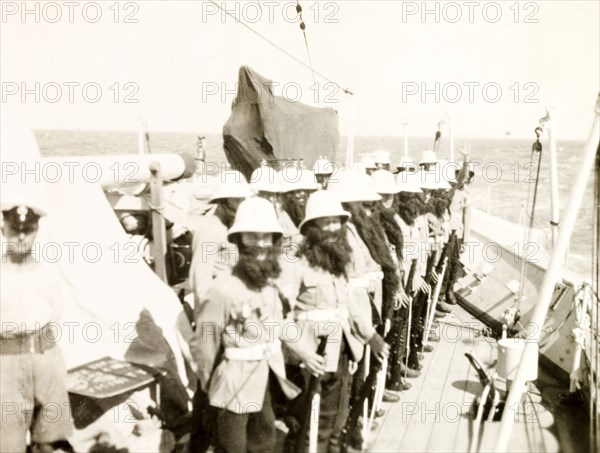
x=303, y=28
x=281, y=49
x=535, y=148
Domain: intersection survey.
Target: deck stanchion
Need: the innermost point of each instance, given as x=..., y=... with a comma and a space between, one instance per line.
x=159, y=233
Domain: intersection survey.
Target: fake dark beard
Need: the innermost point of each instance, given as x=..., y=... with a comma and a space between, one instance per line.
x=408, y=208
x=328, y=250
x=226, y=214
x=392, y=230
x=373, y=235
x=439, y=203
x=293, y=207
x=257, y=273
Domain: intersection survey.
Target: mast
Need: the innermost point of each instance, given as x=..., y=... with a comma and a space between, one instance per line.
x=552, y=275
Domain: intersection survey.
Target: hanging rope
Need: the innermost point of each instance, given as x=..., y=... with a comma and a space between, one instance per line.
x=345, y=90
x=535, y=148
x=303, y=28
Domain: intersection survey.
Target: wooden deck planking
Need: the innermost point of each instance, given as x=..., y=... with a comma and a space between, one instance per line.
x=393, y=425
x=456, y=401
x=427, y=419
x=402, y=427
x=426, y=411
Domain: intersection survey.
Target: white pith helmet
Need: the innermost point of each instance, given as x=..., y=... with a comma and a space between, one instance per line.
x=323, y=166
x=428, y=157
x=367, y=162
x=255, y=215
x=20, y=152
x=265, y=179
x=231, y=184
x=382, y=157
x=298, y=179
x=351, y=187
x=431, y=180
x=407, y=182
x=406, y=163
x=383, y=182
x=321, y=204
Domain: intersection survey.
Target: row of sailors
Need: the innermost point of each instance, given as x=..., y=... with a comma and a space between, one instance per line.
x=282, y=263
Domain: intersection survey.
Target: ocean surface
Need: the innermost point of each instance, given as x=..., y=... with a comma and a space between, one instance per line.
x=503, y=172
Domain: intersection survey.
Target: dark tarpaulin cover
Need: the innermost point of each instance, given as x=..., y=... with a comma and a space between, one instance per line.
x=264, y=126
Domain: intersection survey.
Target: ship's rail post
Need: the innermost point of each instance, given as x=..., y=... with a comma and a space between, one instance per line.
x=159, y=232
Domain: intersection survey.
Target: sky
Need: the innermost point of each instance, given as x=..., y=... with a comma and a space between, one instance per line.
x=491, y=68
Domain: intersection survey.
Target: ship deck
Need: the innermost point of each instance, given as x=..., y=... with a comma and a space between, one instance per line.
x=436, y=413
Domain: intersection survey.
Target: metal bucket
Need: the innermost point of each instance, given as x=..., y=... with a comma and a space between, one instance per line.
x=509, y=355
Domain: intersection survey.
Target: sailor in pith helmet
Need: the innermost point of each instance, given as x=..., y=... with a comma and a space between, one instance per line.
x=213, y=254
x=270, y=184
x=368, y=164
x=322, y=307
x=237, y=344
x=298, y=184
x=382, y=159
x=212, y=251
x=323, y=169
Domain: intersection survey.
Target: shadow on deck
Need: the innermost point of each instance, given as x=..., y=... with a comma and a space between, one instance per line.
x=436, y=414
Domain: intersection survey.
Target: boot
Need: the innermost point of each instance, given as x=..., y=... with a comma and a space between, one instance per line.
x=390, y=397
x=410, y=373
x=413, y=361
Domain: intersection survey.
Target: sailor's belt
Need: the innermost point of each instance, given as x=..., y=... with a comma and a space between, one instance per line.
x=334, y=314
x=252, y=353
x=34, y=342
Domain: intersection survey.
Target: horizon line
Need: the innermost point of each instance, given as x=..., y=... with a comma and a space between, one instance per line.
x=419, y=137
